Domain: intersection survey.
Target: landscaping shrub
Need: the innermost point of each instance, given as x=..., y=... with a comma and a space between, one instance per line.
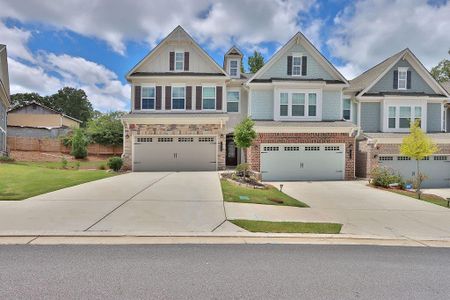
x=102, y=167
x=77, y=165
x=115, y=163
x=242, y=170
x=64, y=163
x=383, y=177
x=79, y=144
x=6, y=159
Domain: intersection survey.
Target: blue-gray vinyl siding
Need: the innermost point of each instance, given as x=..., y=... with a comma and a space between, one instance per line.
x=331, y=106
x=262, y=104
x=279, y=68
x=354, y=112
x=434, y=117
x=385, y=84
x=370, y=116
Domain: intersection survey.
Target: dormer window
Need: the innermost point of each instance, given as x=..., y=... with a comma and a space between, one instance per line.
x=402, y=78
x=234, y=68
x=296, y=65
x=179, y=61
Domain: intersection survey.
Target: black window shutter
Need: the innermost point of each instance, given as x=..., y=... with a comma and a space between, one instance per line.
x=304, y=65
x=168, y=97
x=408, y=80
x=186, y=61
x=395, y=83
x=289, y=65
x=137, y=97
x=219, y=98
x=188, y=97
x=198, y=98
x=171, y=61
x=158, y=97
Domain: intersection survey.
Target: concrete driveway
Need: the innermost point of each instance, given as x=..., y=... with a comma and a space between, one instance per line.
x=363, y=210
x=130, y=203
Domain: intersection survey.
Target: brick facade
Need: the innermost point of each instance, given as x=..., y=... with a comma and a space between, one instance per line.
x=132, y=130
x=367, y=155
x=253, y=153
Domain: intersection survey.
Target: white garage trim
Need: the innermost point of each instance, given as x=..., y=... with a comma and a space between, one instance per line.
x=135, y=137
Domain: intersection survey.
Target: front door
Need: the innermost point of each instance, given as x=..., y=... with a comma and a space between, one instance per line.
x=231, y=152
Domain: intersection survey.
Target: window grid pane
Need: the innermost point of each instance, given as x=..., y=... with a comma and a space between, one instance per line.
x=298, y=99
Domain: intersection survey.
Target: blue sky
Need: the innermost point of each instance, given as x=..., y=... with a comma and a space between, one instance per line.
x=93, y=45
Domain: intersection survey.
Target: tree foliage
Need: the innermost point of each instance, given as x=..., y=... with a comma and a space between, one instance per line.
x=106, y=129
x=441, y=72
x=417, y=145
x=255, y=62
x=244, y=134
x=69, y=101
x=79, y=144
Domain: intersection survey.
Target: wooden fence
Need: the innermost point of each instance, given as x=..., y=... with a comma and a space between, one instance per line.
x=54, y=145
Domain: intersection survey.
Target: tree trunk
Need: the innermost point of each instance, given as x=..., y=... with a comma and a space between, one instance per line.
x=419, y=180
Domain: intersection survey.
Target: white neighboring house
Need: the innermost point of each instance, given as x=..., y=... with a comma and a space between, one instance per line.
x=4, y=97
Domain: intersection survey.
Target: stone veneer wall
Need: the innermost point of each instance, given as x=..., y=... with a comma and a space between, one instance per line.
x=367, y=155
x=253, y=153
x=132, y=130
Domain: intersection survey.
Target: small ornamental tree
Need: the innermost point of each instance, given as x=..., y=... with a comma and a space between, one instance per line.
x=244, y=134
x=255, y=62
x=79, y=144
x=417, y=145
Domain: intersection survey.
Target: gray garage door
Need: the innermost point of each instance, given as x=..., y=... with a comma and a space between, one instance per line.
x=436, y=168
x=174, y=153
x=302, y=161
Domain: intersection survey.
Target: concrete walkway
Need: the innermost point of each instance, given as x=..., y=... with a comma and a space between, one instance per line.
x=444, y=192
x=131, y=203
x=363, y=210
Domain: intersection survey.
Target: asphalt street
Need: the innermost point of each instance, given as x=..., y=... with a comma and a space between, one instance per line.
x=223, y=272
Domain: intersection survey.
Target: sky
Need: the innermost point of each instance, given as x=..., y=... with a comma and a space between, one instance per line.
x=93, y=44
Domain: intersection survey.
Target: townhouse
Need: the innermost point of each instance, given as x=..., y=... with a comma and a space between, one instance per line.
x=311, y=123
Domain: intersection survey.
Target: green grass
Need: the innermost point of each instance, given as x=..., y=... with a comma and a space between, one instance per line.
x=424, y=197
x=58, y=165
x=20, y=181
x=269, y=195
x=288, y=227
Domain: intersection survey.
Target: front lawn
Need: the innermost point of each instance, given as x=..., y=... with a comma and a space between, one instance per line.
x=71, y=165
x=424, y=197
x=21, y=181
x=288, y=227
x=270, y=195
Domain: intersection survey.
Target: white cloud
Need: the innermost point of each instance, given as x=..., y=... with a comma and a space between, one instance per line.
x=222, y=23
x=16, y=39
x=371, y=30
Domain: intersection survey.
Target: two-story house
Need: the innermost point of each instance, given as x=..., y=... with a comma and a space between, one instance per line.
x=4, y=97
x=384, y=101
x=184, y=108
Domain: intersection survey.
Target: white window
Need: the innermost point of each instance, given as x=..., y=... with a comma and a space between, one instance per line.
x=209, y=97
x=179, y=61
x=178, y=97
x=298, y=105
x=234, y=68
x=233, y=98
x=347, y=109
x=148, y=97
x=296, y=65
x=284, y=104
x=402, y=78
x=400, y=117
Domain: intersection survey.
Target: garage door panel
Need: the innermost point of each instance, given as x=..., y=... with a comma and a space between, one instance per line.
x=302, y=162
x=435, y=168
x=175, y=153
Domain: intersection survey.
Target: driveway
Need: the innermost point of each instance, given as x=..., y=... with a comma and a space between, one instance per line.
x=363, y=210
x=130, y=203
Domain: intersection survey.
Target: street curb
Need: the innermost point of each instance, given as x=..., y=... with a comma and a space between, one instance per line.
x=164, y=239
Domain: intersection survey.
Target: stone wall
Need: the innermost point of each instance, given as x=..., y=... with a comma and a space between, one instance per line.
x=253, y=154
x=132, y=130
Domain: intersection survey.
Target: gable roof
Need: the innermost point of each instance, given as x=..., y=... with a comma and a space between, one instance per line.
x=234, y=51
x=446, y=86
x=44, y=107
x=364, y=82
x=300, y=38
x=177, y=30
